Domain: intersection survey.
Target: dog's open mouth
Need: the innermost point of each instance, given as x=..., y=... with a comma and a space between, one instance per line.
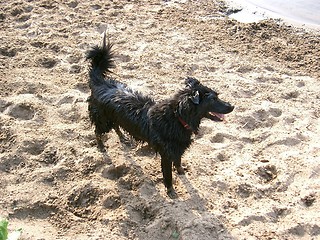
x=218, y=117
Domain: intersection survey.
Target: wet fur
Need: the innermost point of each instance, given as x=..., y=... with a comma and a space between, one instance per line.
x=113, y=105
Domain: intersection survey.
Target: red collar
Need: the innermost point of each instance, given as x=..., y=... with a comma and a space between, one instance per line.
x=186, y=125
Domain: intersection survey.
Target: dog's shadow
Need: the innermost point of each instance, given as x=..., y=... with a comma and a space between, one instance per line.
x=147, y=206
x=145, y=150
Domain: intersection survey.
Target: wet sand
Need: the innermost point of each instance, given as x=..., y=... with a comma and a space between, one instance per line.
x=298, y=13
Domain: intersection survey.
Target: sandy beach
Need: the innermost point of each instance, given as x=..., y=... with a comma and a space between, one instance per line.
x=254, y=176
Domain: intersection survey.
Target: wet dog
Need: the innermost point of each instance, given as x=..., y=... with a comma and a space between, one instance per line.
x=167, y=126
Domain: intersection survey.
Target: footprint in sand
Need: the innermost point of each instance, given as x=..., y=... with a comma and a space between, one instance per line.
x=47, y=62
x=218, y=138
x=66, y=99
x=36, y=210
x=302, y=229
x=16, y=11
x=96, y=7
x=291, y=95
x=69, y=113
x=4, y=105
x=275, y=112
x=22, y=111
x=244, y=190
x=269, y=80
x=7, y=137
x=114, y=173
x=74, y=69
x=23, y=18
x=10, y=163
x=39, y=44
x=82, y=199
x=289, y=142
x=267, y=173
x=34, y=147
x=74, y=60
x=49, y=156
x=55, y=46
x=73, y=4
x=261, y=118
x=8, y=51
x=112, y=202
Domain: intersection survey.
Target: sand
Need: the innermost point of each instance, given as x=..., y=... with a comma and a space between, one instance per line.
x=254, y=176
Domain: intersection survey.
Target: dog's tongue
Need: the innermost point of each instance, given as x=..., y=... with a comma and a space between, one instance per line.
x=218, y=115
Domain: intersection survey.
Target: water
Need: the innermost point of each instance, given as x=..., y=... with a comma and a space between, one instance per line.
x=303, y=12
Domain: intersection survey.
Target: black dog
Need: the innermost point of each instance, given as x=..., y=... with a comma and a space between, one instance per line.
x=167, y=126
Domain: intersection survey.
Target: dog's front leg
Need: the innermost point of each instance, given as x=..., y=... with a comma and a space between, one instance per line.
x=166, y=167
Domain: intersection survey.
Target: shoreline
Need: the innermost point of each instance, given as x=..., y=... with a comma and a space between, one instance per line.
x=248, y=12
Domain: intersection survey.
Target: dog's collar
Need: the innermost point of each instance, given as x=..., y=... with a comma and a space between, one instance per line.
x=186, y=125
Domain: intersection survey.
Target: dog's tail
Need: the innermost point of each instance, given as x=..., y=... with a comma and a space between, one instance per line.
x=101, y=58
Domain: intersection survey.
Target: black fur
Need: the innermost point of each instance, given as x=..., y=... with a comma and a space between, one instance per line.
x=167, y=126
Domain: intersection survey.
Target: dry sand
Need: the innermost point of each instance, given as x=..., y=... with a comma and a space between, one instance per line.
x=256, y=176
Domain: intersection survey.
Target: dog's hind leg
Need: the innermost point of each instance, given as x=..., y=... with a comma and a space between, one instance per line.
x=100, y=144
x=100, y=130
x=101, y=127
x=122, y=136
x=166, y=167
x=179, y=168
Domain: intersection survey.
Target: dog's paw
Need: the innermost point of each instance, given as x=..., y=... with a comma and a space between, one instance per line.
x=180, y=170
x=172, y=193
x=101, y=147
x=127, y=141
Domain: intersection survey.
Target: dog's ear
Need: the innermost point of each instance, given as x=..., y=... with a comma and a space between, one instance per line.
x=195, y=98
x=191, y=82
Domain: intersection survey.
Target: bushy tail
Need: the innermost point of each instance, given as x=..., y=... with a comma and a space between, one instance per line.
x=101, y=58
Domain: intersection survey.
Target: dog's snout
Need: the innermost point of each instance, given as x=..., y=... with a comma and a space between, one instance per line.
x=230, y=107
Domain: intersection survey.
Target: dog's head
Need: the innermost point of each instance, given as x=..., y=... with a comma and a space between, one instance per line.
x=205, y=102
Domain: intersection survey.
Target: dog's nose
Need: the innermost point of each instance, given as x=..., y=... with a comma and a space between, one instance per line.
x=231, y=108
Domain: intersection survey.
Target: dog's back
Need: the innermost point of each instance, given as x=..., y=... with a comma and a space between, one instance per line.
x=112, y=104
